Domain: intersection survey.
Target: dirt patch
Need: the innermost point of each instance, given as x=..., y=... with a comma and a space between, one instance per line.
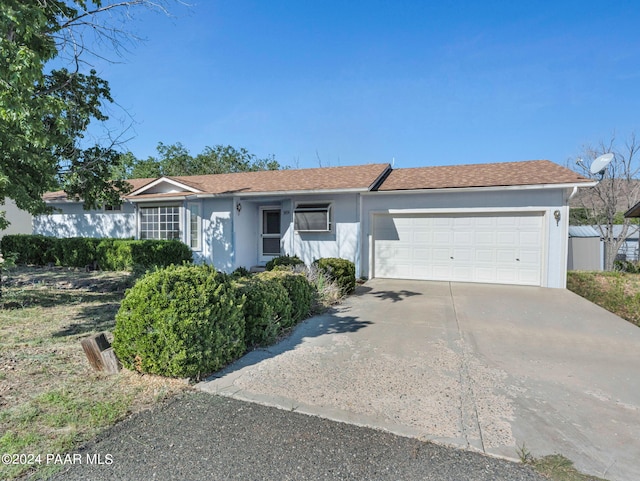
x=65, y=278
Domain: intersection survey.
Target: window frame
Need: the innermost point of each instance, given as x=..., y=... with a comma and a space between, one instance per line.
x=314, y=206
x=112, y=208
x=158, y=222
x=189, y=225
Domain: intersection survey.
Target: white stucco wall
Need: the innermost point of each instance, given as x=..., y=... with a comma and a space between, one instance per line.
x=342, y=242
x=21, y=221
x=71, y=220
x=506, y=200
x=217, y=234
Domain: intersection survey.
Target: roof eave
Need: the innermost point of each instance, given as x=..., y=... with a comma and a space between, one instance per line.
x=277, y=193
x=158, y=199
x=567, y=185
x=634, y=211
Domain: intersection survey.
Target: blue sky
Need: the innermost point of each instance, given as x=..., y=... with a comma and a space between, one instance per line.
x=427, y=83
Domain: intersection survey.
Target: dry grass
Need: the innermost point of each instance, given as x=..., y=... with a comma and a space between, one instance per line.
x=50, y=399
x=618, y=292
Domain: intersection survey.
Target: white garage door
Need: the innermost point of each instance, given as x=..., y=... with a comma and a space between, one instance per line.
x=503, y=249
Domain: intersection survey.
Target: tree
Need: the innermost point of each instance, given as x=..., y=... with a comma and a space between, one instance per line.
x=45, y=112
x=617, y=191
x=175, y=160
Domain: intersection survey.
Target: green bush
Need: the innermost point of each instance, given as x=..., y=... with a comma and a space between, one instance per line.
x=109, y=254
x=160, y=252
x=300, y=291
x=626, y=266
x=76, y=251
x=122, y=254
x=240, y=272
x=267, y=310
x=342, y=271
x=30, y=249
x=181, y=321
x=283, y=261
x=115, y=255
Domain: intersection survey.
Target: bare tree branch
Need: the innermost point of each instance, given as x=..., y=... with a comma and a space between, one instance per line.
x=615, y=193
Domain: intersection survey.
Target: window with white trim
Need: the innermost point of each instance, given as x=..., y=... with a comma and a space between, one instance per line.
x=112, y=207
x=313, y=217
x=195, y=225
x=160, y=222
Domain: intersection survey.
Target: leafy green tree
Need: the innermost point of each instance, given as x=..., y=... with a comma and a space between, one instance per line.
x=175, y=160
x=45, y=111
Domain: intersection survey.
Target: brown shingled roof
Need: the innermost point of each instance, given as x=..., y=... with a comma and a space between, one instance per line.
x=532, y=172
x=61, y=196
x=364, y=177
x=361, y=177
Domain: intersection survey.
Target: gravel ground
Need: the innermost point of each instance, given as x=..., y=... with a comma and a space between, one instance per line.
x=199, y=436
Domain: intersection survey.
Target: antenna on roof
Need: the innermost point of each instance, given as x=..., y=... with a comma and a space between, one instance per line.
x=393, y=162
x=599, y=165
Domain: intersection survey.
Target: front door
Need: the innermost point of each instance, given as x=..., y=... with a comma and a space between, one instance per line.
x=269, y=234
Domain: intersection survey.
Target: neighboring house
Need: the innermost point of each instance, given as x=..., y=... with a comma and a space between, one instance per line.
x=498, y=223
x=20, y=220
x=634, y=212
x=628, y=251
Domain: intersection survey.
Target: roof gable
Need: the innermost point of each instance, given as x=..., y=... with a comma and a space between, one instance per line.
x=164, y=185
x=532, y=172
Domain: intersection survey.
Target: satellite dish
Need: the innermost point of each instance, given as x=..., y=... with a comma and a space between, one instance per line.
x=601, y=163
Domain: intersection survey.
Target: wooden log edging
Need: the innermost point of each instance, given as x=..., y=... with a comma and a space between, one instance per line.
x=100, y=354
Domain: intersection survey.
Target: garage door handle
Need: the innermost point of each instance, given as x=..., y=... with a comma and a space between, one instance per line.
x=452, y=257
x=517, y=259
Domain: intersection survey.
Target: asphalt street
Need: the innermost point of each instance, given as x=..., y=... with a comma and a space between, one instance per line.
x=199, y=436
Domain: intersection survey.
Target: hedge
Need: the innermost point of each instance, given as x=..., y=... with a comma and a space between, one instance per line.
x=283, y=261
x=301, y=291
x=267, y=309
x=180, y=321
x=31, y=249
x=108, y=254
x=342, y=271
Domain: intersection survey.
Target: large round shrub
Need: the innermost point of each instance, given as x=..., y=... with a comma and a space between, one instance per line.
x=283, y=261
x=267, y=310
x=300, y=291
x=342, y=271
x=180, y=321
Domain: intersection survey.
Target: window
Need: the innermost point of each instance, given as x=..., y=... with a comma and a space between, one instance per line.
x=195, y=223
x=112, y=208
x=162, y=222
x=313, y=217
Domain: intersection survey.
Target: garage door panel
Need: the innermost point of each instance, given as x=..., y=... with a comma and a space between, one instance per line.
x=465, y=254
x=485, y=255
x=484, y=248
x=485, y=238
x=506, y=238
x=441, y=255
x=463, y=238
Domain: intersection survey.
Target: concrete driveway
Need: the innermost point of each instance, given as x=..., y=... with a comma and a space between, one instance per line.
x=483, y=367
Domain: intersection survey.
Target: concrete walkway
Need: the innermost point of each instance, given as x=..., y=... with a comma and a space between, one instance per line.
x=482, y=367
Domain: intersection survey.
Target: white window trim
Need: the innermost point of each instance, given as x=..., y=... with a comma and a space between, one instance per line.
x=113, y=209
x=329, y=208
x=161, y=204
x=190, y=206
